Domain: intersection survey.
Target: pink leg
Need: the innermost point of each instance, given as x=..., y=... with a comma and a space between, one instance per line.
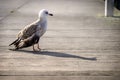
x=38, y=47
x=34, y=48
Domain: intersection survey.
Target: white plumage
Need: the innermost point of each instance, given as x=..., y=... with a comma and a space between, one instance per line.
x=30, y=35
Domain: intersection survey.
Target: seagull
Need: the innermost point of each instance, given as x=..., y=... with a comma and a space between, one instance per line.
x=31, y=34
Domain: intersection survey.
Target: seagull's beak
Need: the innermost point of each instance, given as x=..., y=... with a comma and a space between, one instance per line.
x=50, y=14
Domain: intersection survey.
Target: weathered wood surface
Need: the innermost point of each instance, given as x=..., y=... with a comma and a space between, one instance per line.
x=80, y=44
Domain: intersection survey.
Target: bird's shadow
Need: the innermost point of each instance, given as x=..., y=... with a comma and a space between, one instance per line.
x=57, y=54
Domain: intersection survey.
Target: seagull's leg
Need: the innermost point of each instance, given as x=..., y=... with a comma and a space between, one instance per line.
x=38, y=47
x=34, y=48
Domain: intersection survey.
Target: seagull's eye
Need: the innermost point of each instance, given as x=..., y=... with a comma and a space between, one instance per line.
x=46, y=12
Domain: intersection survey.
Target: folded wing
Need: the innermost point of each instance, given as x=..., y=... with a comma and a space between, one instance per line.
x=25, y=33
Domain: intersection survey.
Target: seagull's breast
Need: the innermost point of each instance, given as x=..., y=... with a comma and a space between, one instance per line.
x=42, y=29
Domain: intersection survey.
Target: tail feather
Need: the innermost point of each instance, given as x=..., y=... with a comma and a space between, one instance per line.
x=15, y=42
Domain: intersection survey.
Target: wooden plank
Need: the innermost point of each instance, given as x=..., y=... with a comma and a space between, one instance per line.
x=58, y=78
x=78, y=44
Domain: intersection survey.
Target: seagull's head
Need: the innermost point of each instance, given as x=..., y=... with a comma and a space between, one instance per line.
x=44, y=13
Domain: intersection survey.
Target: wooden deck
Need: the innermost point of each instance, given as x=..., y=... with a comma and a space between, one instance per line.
x=80, y=44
